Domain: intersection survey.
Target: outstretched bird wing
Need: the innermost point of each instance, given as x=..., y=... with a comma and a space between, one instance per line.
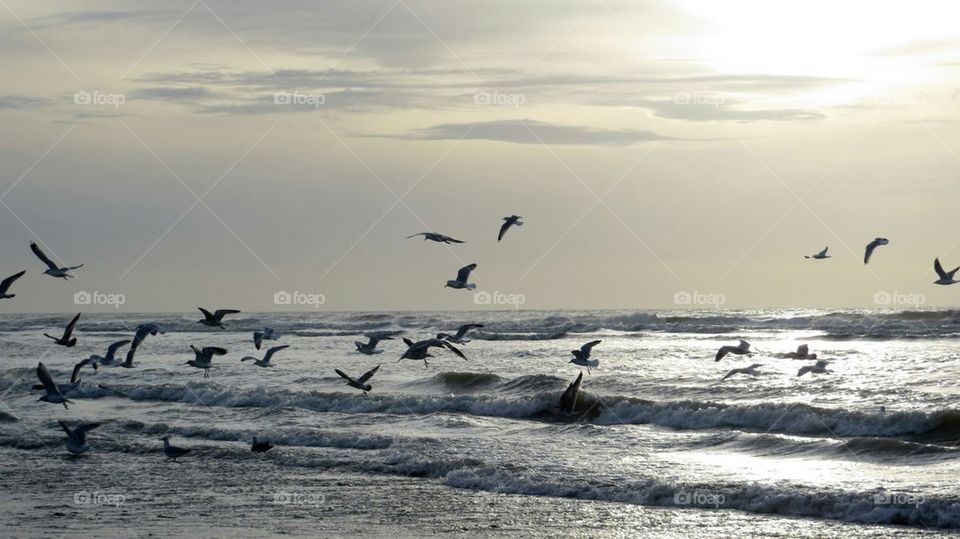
x=587, y=347
x=503, y=229
x=112, y=349
x=5, y=284
x=453, y=349
x=220, y=313
x=939, y=269
x=43, y=256
x=69, y=331
x=464, y=272
x=44, y=375
x=722, y=352
x=343, y=375
x=823, y=252
x=207, y=314
x=274, y=350
x=368, y=375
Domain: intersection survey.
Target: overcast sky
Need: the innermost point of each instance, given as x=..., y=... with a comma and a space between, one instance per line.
x=215, y=152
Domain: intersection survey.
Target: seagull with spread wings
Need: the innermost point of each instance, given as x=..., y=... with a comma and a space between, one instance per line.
x=67, y=339
x=360, y=382
x=215, y=319
x=53, y=270
x=6, y=283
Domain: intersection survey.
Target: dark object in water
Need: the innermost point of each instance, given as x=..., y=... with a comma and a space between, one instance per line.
x=260, y=447
x=568, y=401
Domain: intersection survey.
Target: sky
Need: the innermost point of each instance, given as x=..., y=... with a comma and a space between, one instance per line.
x=663, y=154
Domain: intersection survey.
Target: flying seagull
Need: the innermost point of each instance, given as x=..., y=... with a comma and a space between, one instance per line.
x=439, y=238
x=582, y=356
x=66, y=389
x=5, y=285
x=751, y=370
x=819, y=256
x=52, y=269
x=77, y=437
x=67, y=339
x=462, y=276
x=265, y=362
x=820, y=367
x=421, y=350
x=260, y=447
x=172, y=451
x=458, y=338
x=142, y=331
x=268, y=334
x=109, y=359
x=946, y=277
x=740, y=349
x=53, y=394
x=507, y=223
x=370, y=347
x=215, y=319
x=361, y=382
x=873, y=245
x=204, y=358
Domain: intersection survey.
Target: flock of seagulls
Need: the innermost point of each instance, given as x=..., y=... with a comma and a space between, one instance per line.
x=415, y=350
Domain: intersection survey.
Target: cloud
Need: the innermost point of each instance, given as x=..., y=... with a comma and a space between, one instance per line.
x=22, y=102
x=533, y=132
x=174, y=94
x=709, y=108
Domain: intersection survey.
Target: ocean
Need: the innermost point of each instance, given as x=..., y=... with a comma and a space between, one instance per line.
x=657, y=445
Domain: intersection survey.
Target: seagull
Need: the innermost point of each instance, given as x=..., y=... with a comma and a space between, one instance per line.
x=751, y=370
x=67, y=339
x=803, y=352
x=52, y=269
x=740, y=349
x=421, y=350
x=109, y=359
x=142, y=331
x=5, y=285
x=439, y=238
x=370, y=347
x=260, y=447
x=215, y=319
x=53, y=394
x=819, y=256
x=820, y=367
x=507, y=223
x=361, y=382
x=265, y=362
x=873, y=245
x=172, y=451
x=946, y=277
x=268, y=334
x=458, y=338
x=66, y=389
x=461, y=281
x=204, y=358
x=77, y=437
x=582, y=356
